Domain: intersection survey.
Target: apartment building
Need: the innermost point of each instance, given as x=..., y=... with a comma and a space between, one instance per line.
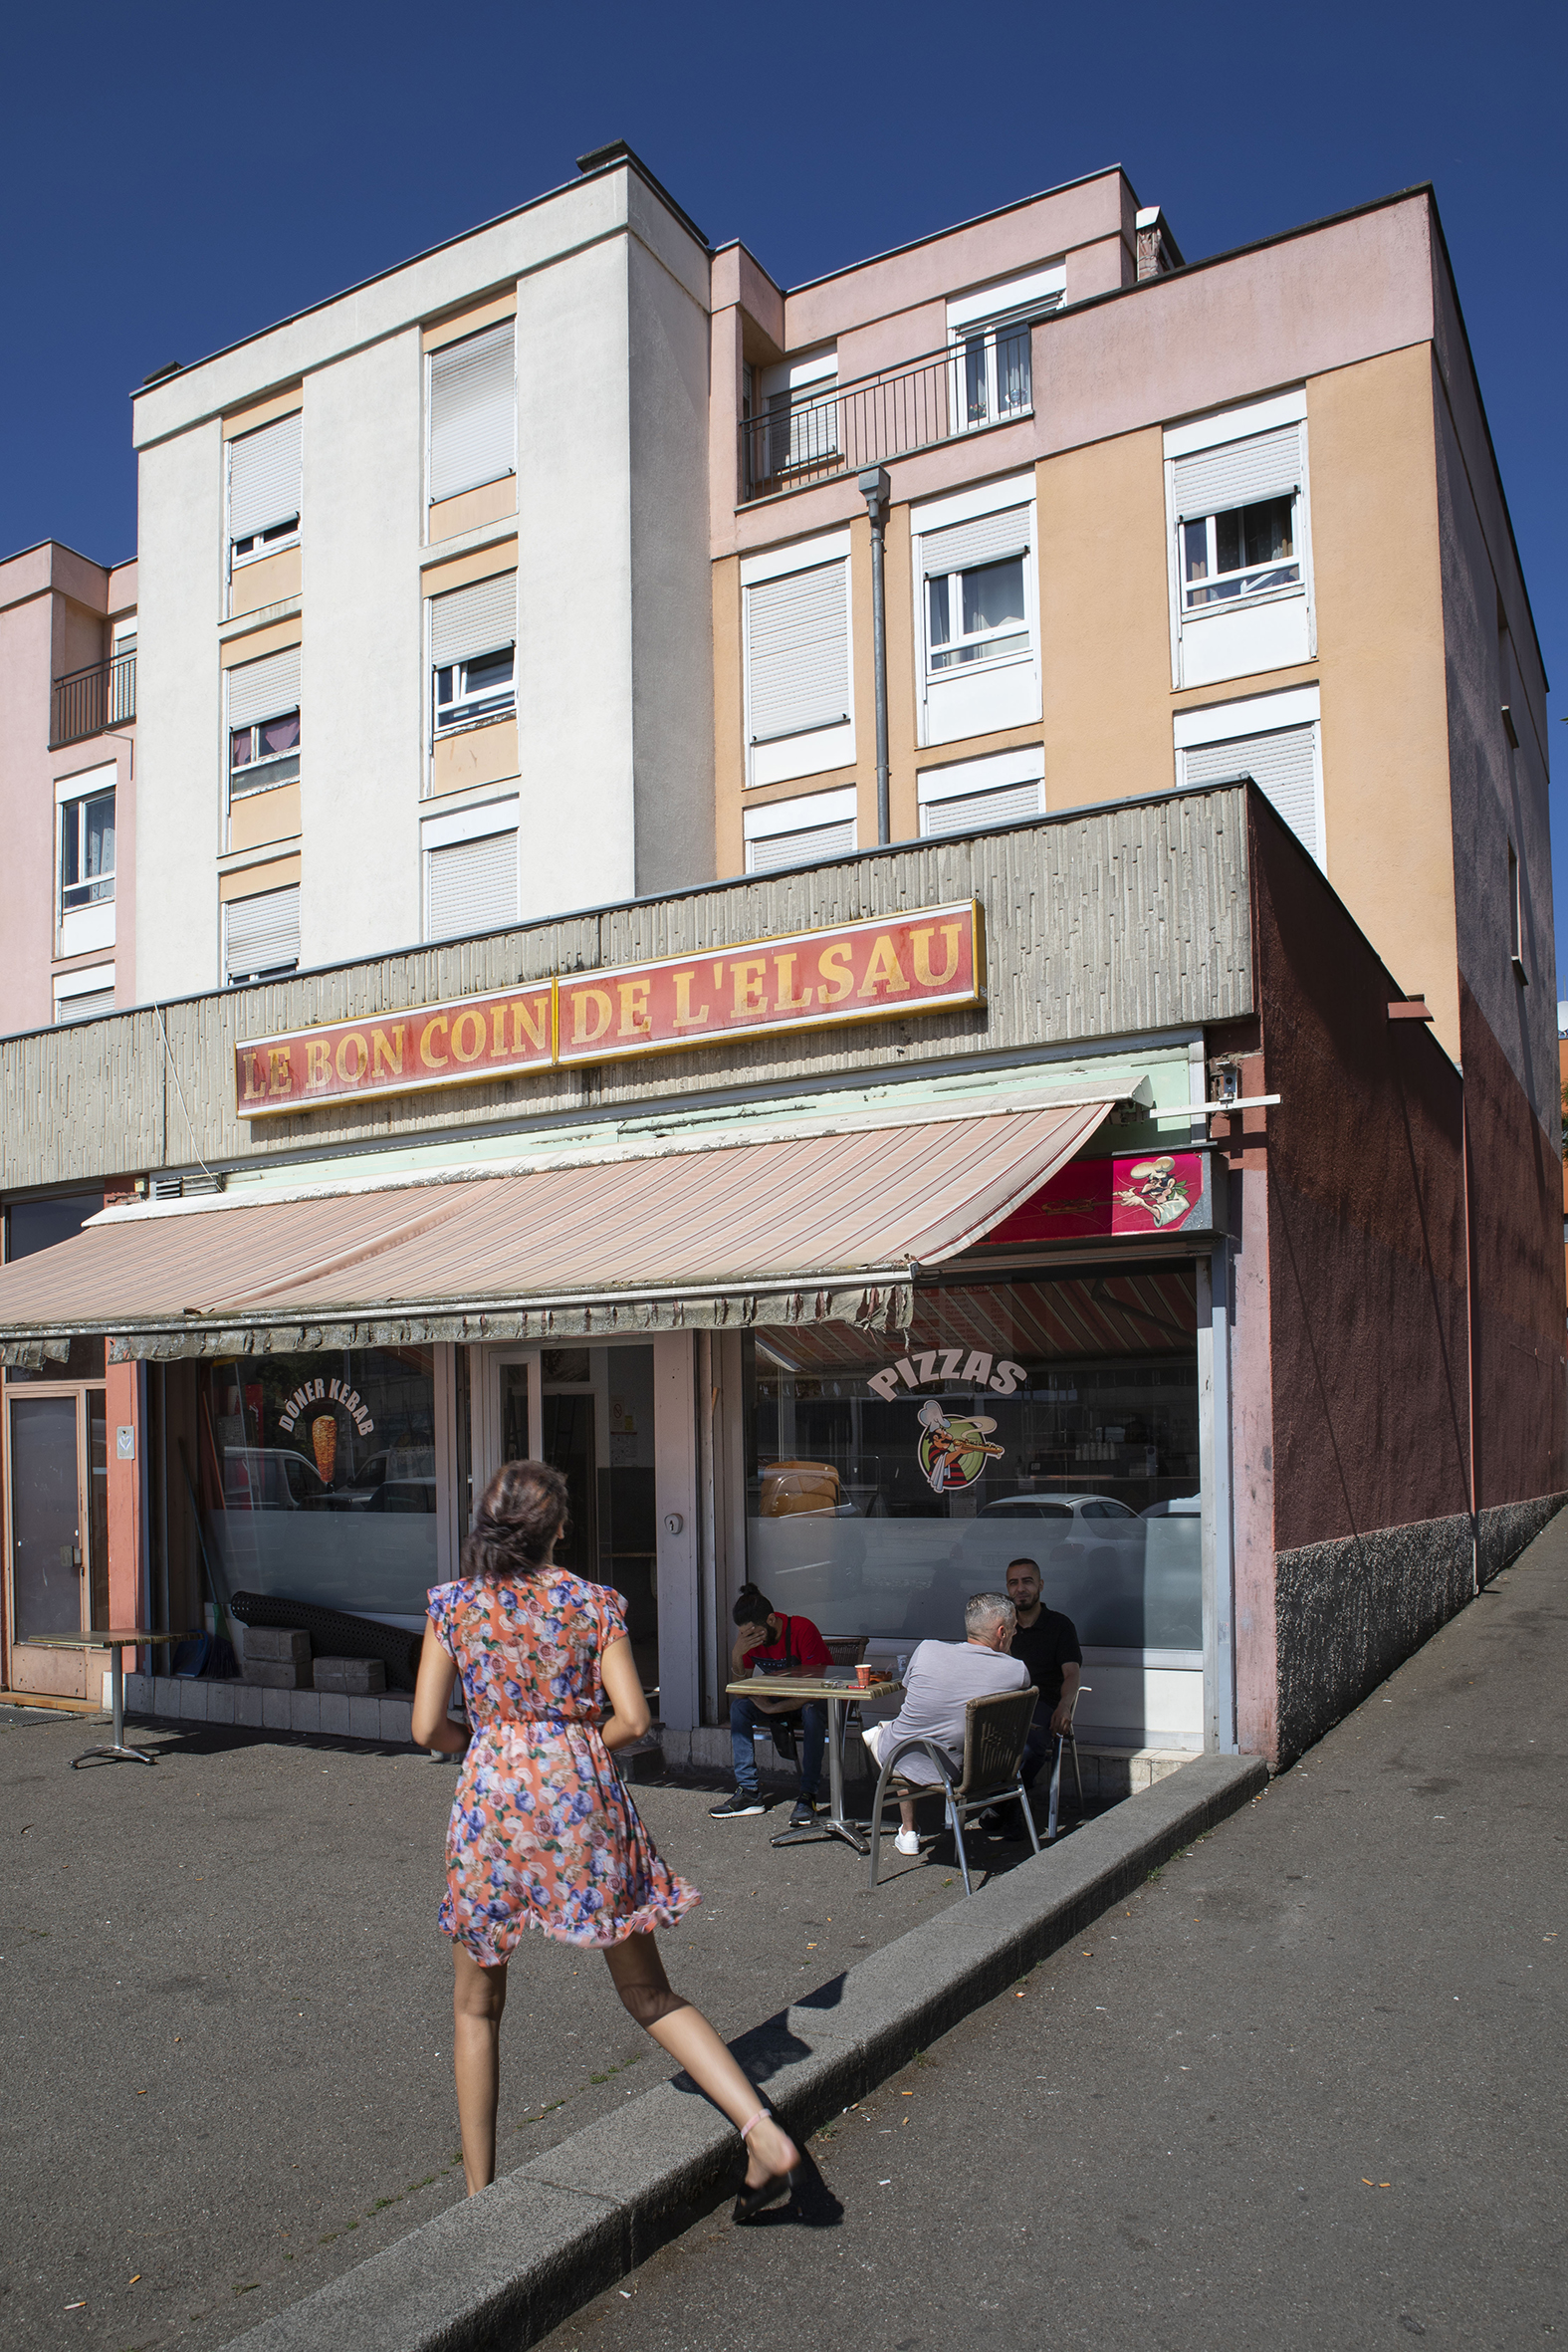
x=426, y=611
x=68, y=728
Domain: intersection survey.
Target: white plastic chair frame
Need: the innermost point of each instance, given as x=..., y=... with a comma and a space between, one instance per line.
x=1066, y=1738
x=960, y=1798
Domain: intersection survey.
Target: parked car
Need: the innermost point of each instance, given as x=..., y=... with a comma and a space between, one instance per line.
x=273, y=1477
x=373, y=1489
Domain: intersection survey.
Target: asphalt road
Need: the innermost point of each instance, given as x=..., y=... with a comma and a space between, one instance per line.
x=225, y=2015
x=1304, y=2090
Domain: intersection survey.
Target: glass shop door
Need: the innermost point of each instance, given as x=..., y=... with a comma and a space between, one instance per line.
x=589, y=1410
x=57, y=1534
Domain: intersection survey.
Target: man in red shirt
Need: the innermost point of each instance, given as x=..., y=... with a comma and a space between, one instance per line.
x=776, y=1644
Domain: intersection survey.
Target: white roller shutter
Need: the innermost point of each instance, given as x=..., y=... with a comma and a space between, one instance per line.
x=473, y=886
x=467, y=622
x=90, y=1006
x=1004, y=804
x=806, y=848
x=473, y=410
x=1282, y=765
x=1215, y=481
x=264, y=477
x=990, y=539
x=263, y=689
x=262, y=934
x=797, y=648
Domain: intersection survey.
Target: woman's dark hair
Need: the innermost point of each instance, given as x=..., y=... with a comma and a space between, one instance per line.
x=523, y=1511
x=753, y=1606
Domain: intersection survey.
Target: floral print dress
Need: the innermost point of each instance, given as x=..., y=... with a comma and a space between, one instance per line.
x=543, y=1834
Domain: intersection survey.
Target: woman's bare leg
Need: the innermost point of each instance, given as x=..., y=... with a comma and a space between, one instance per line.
x=684, y=2031
x=479, y=1996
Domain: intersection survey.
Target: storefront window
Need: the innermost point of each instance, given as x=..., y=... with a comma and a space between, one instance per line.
x=324, y=1469
x=1052, y=1419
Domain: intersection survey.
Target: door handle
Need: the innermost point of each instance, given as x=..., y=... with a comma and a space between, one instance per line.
x=67, y=1556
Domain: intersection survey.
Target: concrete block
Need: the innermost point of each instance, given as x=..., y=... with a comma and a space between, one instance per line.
x=364, y=1719
x=193, y=1701
x=248, y=1706
x=397, y=1720
x=305, y=1710
x=278, y=1644
x=165, y=1695
x=140, y=1693
x=277, y=1674
x=220, y=1702
x=361, y=1678
x=275, y=1709
x=332, y=1713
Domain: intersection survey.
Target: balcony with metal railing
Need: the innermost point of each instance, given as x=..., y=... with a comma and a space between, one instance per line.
x=91, y=701
x=984, y=378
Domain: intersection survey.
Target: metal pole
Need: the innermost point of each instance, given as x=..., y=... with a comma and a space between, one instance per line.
x=875, y=489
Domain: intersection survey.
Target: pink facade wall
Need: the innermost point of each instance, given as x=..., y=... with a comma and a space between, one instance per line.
x=56, y=610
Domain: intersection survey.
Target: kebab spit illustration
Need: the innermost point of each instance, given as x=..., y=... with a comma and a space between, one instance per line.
x=324, y=1443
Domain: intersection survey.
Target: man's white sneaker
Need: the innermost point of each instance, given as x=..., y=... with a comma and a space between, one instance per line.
x=907, y=1841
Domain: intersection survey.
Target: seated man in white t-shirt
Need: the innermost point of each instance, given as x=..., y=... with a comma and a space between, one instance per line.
x=940, y=1680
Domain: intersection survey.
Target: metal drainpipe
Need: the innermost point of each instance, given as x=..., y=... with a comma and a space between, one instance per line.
x=875, y=489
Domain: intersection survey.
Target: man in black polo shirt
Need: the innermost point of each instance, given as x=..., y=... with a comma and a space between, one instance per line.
x=1047, y=1643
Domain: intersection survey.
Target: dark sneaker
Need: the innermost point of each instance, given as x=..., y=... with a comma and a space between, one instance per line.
x=743, y=1802
x=804, y=1812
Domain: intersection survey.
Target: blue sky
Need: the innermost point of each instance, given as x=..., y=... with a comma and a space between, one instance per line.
x=176, y=176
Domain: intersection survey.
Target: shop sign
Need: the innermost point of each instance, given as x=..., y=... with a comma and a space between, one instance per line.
x=888, y=967
x=1122, y=1195
x=450, y=1045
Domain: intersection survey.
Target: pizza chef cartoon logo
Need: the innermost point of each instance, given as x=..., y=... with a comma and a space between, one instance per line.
x=1160, y=1188
x=954, y=1448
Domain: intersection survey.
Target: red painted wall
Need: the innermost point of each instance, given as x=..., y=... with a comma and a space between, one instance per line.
x=1366, y=1226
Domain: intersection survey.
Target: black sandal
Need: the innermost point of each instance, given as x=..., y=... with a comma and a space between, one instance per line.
x=749, y=2202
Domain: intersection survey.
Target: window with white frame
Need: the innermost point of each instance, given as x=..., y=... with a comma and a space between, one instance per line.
x=989, y=332
x=264, y=489
x=472, y=407
x=1273, y=738
x=800, y=714
x=799, y=427
x=87, y=851
x=471, y=869
x=1005, y=788
x=263, y=723
x=260, y=935
x=473, y=653
x=974, y=571
x=1240, y=575
x=802, y=831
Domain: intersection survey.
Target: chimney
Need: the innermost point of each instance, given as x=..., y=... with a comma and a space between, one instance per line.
x=1158, y=251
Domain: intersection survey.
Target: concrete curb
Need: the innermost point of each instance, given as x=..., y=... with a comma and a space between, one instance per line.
x=501, y=2269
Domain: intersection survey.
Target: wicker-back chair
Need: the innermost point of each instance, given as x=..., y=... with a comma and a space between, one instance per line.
x=995, y=1730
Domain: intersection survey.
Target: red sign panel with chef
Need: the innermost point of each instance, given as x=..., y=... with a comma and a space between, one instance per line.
x=1149, y=1192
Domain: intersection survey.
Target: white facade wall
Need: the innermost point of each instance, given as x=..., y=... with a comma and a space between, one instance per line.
x=614, y=650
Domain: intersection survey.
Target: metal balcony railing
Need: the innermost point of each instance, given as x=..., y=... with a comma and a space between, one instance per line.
x=85, y=702
x=984, y=378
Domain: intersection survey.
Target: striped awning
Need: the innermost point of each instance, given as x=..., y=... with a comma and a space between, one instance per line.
x=799, y=1229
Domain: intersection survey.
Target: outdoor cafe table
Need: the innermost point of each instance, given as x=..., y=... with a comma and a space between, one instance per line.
x=137, y=1638
x=836, y=1694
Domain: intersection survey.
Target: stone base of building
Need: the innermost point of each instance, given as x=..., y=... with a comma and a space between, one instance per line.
x=1109, y=1774
x=1348, y=1612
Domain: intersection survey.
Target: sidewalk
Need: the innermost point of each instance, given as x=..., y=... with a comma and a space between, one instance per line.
x=1303, y=2091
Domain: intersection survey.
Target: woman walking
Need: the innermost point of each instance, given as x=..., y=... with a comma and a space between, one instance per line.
x=543, y=1834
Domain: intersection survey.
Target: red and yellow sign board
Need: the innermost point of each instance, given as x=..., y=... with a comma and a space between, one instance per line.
x=922, y=962
x=452, y=1044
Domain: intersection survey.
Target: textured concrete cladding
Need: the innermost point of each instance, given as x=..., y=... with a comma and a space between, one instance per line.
x=1105, y=923
x=604, y=204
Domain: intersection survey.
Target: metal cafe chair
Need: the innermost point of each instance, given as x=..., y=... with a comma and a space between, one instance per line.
x=1065, y=1740
x=995, y=1730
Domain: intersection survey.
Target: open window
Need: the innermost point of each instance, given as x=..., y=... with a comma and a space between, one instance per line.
x=797, y=433
x=85, y=861
x=264, y=489
x=263, y=723
x=1241, y=573
x=473, y=654
x=979, y=666
x=989, y=333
